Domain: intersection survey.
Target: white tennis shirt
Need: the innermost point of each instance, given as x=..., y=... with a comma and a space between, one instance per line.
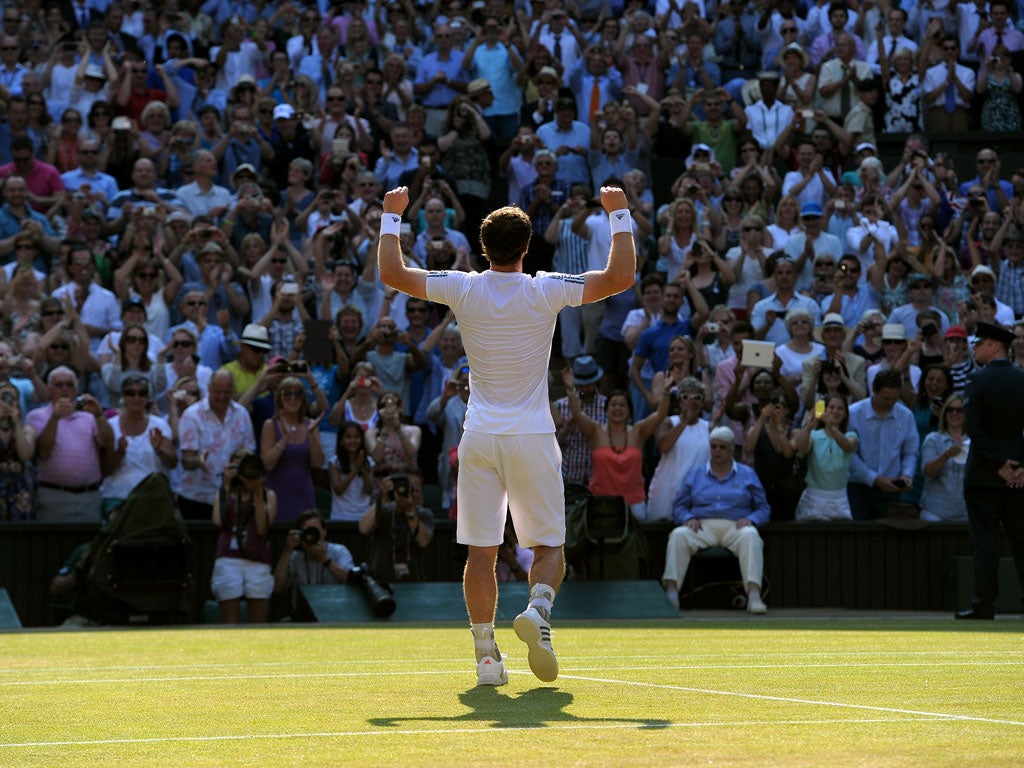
x=507, y=321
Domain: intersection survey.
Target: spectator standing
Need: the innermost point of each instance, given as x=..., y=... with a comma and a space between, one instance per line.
x=682, y=441
x=17, y=446
x=948, y=88
x=143, y=443
x=576, y=465
x=68, y=450
x=351, y=474
x=290, y=449
x=210, y=432
x=243, y=509
x=944, y=462
x=439, y=78
x=400, y=529
x=885, y=459
x=828, y=446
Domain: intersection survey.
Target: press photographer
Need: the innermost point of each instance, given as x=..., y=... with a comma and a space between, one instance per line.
x=308, y=558
x=400, y=528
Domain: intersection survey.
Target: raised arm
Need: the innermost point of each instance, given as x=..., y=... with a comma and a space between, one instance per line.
x=620, y=272
x=392, y=267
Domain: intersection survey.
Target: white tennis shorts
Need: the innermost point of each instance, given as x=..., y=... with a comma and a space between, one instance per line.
x=235, y=577
x=520, y=472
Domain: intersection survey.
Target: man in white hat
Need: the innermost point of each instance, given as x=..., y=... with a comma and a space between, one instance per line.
x=254, y=346
x=542, y=110
x=768, y=117
x=833, y=332
x=983, y=281
x=897, y=352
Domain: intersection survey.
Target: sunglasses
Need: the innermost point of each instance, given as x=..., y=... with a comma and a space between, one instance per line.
x=53, y=313
x=195, y=303
x=292, y=394
x=278, y=261
x=955, y=409
x=180, y=343
x=135, y=339
x=753, y=229
x=135, y=392
x=64, y=347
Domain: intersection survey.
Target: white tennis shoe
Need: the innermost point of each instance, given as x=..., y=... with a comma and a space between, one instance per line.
x=533, y=630
x=490, y=671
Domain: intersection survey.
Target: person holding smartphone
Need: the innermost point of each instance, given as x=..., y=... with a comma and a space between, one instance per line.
x=827, y=444
x=885, y=458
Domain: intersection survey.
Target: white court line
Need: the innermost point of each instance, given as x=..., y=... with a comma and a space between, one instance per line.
x=385, y=673
x=489, y=730
x=790, y=700
x=960, y=654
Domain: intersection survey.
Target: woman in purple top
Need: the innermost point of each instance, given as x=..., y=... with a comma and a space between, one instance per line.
x=290, y=448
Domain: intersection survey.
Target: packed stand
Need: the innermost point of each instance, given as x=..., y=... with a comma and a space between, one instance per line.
x=192, y=203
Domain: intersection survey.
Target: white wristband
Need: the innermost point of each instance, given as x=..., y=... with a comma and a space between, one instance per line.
x=390, y=224
x=621, y=221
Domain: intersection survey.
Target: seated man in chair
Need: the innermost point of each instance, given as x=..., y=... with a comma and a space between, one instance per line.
x=720, y=505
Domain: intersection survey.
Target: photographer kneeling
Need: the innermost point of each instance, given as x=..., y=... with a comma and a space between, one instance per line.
x=308, y=558
x=400, y=528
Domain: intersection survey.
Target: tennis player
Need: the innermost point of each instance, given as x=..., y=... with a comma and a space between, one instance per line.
x=508, y=456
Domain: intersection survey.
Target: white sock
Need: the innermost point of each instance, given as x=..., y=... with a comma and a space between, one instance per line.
x=541, y=597
x=483, y=641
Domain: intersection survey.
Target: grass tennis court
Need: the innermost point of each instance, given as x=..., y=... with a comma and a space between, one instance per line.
x=778, y=692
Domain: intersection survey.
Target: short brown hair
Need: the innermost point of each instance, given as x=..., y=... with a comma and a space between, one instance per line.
x=505, y=235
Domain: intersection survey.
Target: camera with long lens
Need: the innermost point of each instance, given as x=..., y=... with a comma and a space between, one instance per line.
x=378, y=596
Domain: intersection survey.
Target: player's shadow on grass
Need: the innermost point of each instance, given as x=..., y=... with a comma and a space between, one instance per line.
x=536, y=708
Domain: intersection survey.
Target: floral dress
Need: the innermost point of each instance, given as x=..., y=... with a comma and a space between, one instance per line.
x=15, y=493
x=1000, y=111
x=903, y=105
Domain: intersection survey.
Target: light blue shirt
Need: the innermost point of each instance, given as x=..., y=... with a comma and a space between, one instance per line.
x=887, y=445
x=101, y=182
x=906, y=315
x=390, y=170
x=198, y=202
x=740, y=495
x=495, y=66
x=215, y=348
x=572, y=168
x=441, y=95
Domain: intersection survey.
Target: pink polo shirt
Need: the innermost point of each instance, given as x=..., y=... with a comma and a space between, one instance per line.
x=43, y=181
x=75, y=460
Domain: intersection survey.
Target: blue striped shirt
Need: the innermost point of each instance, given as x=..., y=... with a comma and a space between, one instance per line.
x=571, y=251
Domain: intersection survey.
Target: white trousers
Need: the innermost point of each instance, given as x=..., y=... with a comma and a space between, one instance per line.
x=744, y=542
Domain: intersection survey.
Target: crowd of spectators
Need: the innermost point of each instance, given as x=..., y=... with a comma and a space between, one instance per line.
x=191, y=204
